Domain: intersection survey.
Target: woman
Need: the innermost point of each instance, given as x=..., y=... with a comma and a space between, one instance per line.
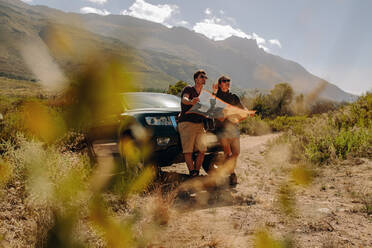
x=227, y=131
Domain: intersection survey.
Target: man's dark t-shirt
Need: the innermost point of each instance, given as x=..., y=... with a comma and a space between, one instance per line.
x=195, y=118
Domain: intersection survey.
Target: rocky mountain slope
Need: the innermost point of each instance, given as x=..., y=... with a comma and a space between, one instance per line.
x=159, y=55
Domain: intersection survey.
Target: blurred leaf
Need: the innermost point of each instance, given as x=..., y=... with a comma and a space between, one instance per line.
x=94, y=92
x=286, y=199
x=70, y=186
x=6, y=172
x=143, y=180
x=116, y=234
x=58, y=40
x=302, y=175
x=61, y=234
x=42, y=122
x=129, y=150
x=262, y=239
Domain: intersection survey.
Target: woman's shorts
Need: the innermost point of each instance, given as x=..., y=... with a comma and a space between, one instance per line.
x=229, y=131
x=193, y=137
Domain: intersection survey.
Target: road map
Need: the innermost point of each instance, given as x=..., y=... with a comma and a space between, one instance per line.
x=212, y=107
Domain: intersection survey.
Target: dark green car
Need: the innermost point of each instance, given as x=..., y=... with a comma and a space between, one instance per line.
x=149, y=122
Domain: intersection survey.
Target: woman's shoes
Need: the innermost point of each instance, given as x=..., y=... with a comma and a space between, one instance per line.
x=233, y=180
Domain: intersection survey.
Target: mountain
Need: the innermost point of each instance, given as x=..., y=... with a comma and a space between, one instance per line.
x=160, y=55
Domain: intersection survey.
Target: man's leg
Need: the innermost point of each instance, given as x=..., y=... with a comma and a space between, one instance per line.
x=189, y=162
x=187, y=139
x=201, y=145
x=199, y=160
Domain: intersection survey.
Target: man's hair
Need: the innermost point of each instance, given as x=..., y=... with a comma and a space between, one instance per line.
x=198, y=72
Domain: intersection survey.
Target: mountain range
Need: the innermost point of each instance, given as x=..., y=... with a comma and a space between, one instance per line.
x=158, y=55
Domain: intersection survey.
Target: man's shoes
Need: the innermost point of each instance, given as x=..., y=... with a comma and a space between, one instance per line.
x=194, y=173
x=233, y=180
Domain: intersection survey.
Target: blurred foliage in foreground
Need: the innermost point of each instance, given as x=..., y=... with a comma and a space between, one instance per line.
x=42, y=148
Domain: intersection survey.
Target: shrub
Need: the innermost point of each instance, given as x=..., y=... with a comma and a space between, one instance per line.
x=284, y=123
x=254, y=126
x=324, y=106
x=276, y=103
x=72, y=141
x=177, y=88
x=324, y=138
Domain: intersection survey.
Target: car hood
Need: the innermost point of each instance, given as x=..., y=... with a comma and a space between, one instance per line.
x=151, y=111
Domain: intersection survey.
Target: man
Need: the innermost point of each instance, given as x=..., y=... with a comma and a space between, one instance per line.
x=190, y=126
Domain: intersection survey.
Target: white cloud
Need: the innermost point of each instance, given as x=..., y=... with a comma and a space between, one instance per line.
x=86, y=10
x=182, y=23
x=97, y=1
x=27, y=1
x=275, y=42
x=215, y=30
x=258, y=39
x=155, y=13
x=264, y=48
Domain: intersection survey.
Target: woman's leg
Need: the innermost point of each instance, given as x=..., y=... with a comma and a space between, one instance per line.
x=226, y=147
x=235, y=151
x=228, y=162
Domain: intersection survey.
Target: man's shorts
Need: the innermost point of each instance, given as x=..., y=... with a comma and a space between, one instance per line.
x=193, y=137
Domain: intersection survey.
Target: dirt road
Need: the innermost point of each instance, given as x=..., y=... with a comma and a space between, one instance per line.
x=329, y=213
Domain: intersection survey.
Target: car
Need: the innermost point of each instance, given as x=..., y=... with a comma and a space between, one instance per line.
x=146, y=120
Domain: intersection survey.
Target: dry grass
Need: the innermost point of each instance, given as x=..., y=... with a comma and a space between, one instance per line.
x=18, y=88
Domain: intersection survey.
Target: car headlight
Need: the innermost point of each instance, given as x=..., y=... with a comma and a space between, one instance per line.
x=158, y=120
x=162, y=141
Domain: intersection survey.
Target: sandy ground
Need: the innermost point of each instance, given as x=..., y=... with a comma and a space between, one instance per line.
x=329, y=213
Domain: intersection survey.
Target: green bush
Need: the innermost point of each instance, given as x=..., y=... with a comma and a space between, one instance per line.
x=337, y=135
x=276, y=103
x=284, y=123
x=254, y=126
x=177, y=88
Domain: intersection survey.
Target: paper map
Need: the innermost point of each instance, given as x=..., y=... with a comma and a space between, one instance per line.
x=212, y=107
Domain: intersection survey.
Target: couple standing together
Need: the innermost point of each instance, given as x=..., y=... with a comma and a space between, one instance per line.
x=191, y=126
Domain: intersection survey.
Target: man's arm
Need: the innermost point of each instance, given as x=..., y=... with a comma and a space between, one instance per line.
x=185, y=100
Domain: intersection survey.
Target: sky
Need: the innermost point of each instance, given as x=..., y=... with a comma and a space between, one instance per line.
x=330, y=38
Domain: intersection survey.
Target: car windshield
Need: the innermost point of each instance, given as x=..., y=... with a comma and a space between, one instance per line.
x=150, y=100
